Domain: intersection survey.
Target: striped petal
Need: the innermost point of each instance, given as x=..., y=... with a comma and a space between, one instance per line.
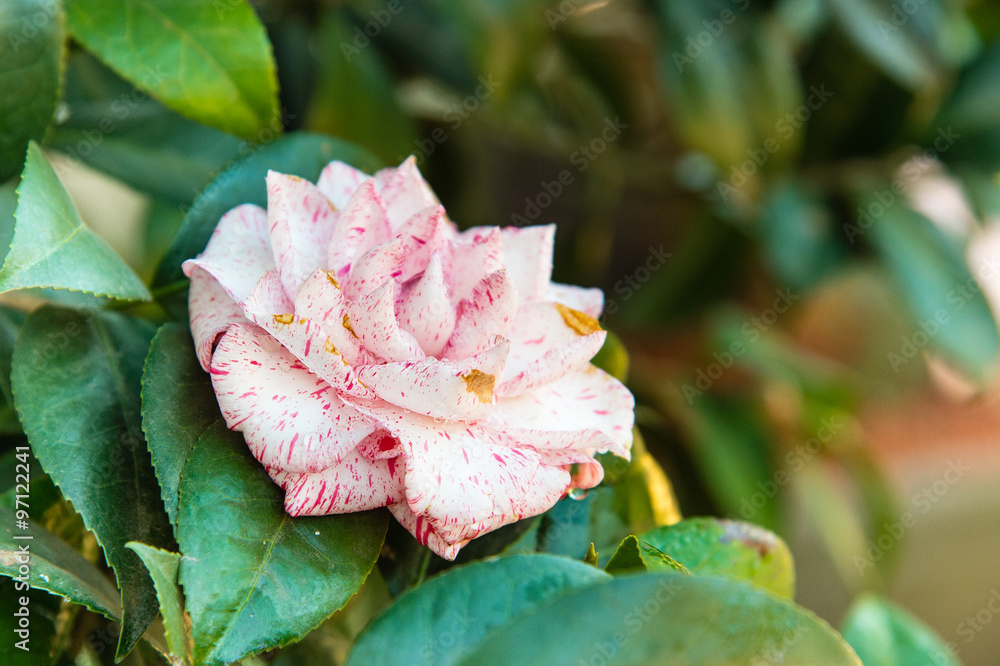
x=211, y=311
x=362, y=224
x=404, y=191
x=238, y=252
x=301, y=221
x=424, y=234
x=339, y=181
x=527, y=254
x=548, y=340
x=488, y=312
x=425, y=310
x=291, y=419
x=373, y=319
x=374, y=267
x=355, y=484
x=320, y=299
x=475, y=254
x=442, y=389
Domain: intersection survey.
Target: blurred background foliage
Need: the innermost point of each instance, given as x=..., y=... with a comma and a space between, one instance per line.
x=789, y=204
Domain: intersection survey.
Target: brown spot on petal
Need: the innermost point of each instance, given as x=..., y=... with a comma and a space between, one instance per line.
x=286, y=318
x=581, y=322
x=333, y=280
x=347, y=325
x=329, y=347
x=480, y=384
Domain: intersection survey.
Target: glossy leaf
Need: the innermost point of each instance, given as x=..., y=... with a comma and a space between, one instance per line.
x=76, y=388
x=255, y=578
x=31, y=70
x=884, y=634
x=707, y=546
x=56, y=567
x=443, y=619
x=178, y=405
x=162, y=566
x=208, y=61
x=53, y=248
x=300, y=154
x=665, y=619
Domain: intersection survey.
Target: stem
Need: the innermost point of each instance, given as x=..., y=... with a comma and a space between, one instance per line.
x=424, y=563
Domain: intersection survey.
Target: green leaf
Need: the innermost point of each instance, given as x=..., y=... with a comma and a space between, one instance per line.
x=76, y=388
x=659, y=618
x=208, y=61
x=443, y=619
x=56, y=567
x=971, y=105
x=162, y=566
x=10, y=323
x=31, y=71
x=299, y=154
x=254, y=577
x=869, y=24
x=53, y=248
x=633, y=554
x=944, y=299
x=885, y=635
x=42, y=633
x=708, y=546
x=178, y=405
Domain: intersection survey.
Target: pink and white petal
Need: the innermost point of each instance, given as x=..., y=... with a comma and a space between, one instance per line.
x=425, y=310
x=338, y=181
x=404, y=191
x=303, y=337
x=545, y=489
x=355, y=484
x=320, y=299
x=363, y=224
x=374, y=267
x=580, y=403
x=423, y=531
x=488, y=312
x=527, y=254
x=454, y=390
x=547, y=341
x=475, y=254
x=424, y=234
x=301, y=220
x=212, y=312
x=373, y=319
x=292, y=420
x=589, y=474
x=238, y=252
x=380, y=445
x=590, y=301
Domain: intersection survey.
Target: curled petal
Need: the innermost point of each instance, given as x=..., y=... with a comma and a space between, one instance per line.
x=380, y=445
x=374, y=267
x=338, y=181
x=362, y=224
x=423, y=531
x=590, y=301
x=373, y=320
x=303, y=337
x=292, y=420
x=527, y=255
x=238, y=252
x=475, y=254
x=320, y=299
x=355, y=484
x=422, y=235
x=301, y=221
x=548, y=340
x=212, y=312
x=404, y=191
x=425, y=310
x=486, y=313
x=581, y=403
x=443, y=389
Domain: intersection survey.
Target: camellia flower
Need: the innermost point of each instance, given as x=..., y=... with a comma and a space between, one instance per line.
x=373, y=355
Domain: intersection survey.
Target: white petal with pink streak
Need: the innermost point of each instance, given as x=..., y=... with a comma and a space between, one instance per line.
x=301, y=221
x=488, y=312
x=238, y=252
x=211, y=311
x=355, y=484
x=425, y=310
